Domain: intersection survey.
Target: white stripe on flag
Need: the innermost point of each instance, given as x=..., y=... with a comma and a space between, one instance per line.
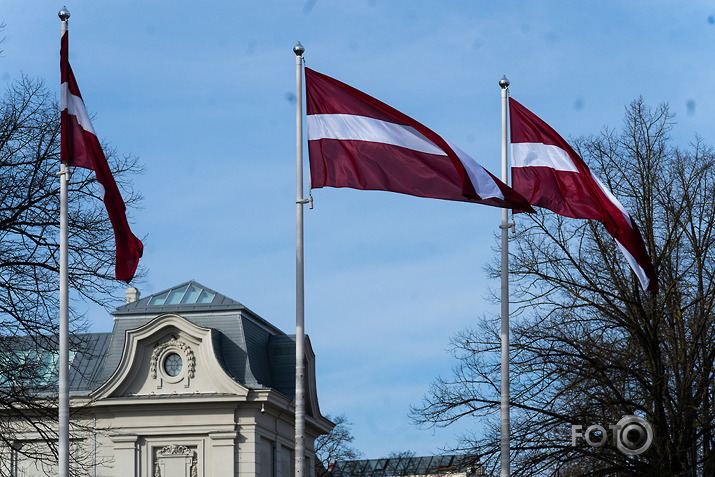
x=613, y=199
x=637, y=269
x=75, y=106
x=536, y=154
x=349, y=127
x=483, y=184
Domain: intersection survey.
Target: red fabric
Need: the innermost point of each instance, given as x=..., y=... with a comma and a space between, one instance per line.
x=361, y=165
x=569, y=193
x=377, y=166
x=81, y=148
x=562, y=192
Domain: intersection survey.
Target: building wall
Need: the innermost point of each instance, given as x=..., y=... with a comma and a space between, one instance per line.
x=145, y=422
x=198, y=440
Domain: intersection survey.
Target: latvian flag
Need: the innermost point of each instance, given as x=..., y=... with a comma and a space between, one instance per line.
x=549, y=173
x=80, y=148
x=358, y=142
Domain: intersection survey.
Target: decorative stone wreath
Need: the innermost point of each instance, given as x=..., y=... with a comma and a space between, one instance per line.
x=173, y=345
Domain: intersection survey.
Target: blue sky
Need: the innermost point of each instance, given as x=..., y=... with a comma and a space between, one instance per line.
x=203, y=93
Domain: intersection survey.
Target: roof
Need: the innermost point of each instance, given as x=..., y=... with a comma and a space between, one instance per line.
x=86, y=364
x=38, y=358
x=244, y=340
x=404, y=466
x=187, y=297
x=255, y=353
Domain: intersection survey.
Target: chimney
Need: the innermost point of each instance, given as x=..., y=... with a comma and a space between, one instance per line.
x=132, y=295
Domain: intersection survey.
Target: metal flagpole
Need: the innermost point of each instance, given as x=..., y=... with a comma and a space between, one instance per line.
x=299, y=271
x=505, y=459
x=64, y=412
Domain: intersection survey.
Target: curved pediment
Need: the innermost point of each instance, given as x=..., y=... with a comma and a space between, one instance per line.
x=169, y=356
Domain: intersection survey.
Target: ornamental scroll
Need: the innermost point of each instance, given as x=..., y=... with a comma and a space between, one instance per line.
x=173, y=345
x=175, y=460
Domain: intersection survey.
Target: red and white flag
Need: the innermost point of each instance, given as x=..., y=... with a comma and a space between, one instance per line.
x=81, y=148
x=358, y=142
x=549, y=173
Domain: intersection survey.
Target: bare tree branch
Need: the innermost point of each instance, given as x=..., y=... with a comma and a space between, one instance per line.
x=29, y=262
x=588, y=345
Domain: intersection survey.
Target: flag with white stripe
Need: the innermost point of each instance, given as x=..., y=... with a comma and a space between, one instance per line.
x=549, y=173
x=80, y=148
x=358, y=142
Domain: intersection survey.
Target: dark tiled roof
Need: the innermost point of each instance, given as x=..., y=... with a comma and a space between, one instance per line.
x=187, y=297
x=281, y=349
x=87, y=362
x=253, y=352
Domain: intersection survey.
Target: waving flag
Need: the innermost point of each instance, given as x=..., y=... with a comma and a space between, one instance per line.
x=358, y=142
x=547, y=171
x=81, y=148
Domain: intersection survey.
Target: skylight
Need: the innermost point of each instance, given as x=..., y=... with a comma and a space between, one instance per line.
x=31, y=367
x=185, y=295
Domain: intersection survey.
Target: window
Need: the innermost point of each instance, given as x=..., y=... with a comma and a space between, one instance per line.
x=173, y=364
x=185, y=295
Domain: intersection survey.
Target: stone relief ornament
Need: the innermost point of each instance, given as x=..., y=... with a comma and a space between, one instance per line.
x=194, y=467
x=176, y=450
x=177, y=345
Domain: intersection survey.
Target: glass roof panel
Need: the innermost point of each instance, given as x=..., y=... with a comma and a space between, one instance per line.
x=158, y=299
x=423, y=465
x=192, y=294
x=32, y=367
x=175, y=296
x=205, y=297
x=189, y=294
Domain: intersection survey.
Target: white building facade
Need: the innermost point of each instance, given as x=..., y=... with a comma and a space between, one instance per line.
x=189, y=383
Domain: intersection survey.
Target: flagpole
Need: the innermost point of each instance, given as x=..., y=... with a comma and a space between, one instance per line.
x=299, y=271
x=63, y=405
x=505, y=458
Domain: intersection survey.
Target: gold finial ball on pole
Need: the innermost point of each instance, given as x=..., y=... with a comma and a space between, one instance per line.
x=64, y=14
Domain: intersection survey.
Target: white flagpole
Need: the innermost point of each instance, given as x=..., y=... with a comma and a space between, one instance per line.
x=64, y=413
x=505, y=459
x=299, y=272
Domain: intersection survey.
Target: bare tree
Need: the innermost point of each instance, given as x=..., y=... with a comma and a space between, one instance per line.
x=335, y=445
x=401, y=454
x=29, y=234
x=588, y=345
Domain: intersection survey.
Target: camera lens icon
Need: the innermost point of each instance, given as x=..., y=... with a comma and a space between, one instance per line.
x=634, y=435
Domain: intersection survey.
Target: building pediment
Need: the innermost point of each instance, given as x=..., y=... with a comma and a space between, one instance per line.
x=169, y=356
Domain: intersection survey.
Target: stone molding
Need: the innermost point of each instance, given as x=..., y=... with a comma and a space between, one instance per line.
x=174, y=344
x=173, y=451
